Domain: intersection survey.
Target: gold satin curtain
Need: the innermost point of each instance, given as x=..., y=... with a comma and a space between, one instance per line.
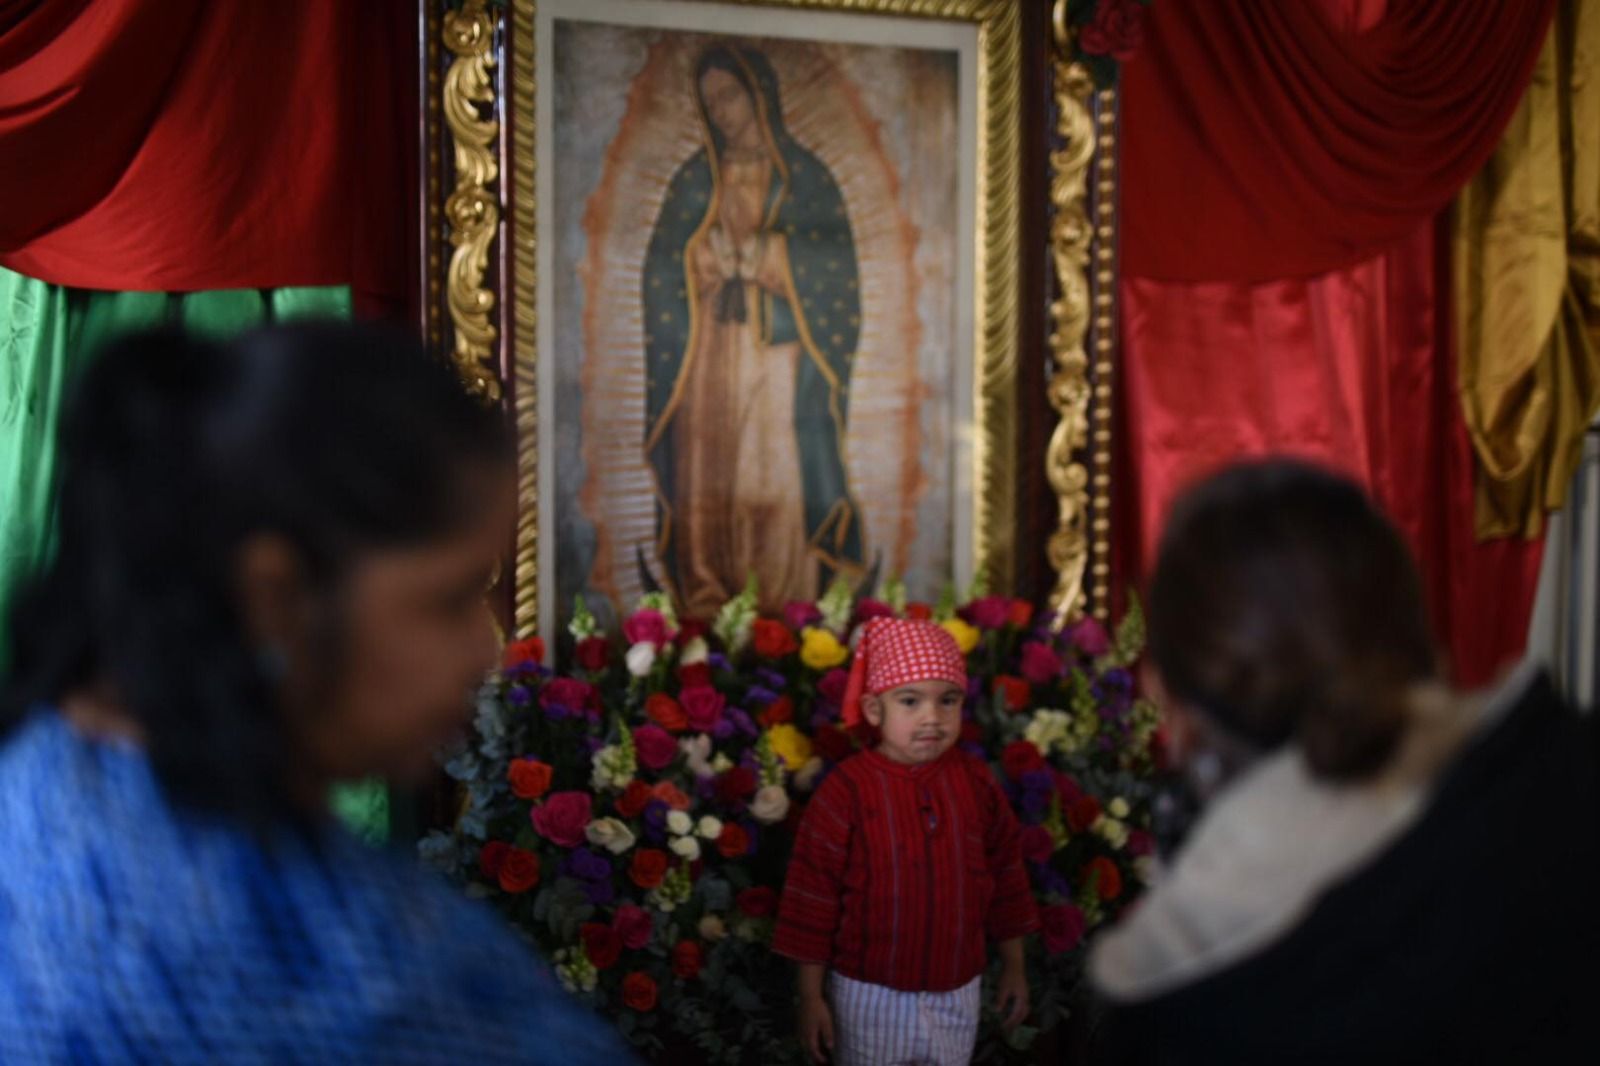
x=1527, y=286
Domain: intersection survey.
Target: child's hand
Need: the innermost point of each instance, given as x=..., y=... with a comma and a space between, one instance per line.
x=1011, y=995
x=816, y=1027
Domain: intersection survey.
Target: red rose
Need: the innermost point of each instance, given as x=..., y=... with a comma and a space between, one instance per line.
x=520, y=870
x=736, y=785
x=694, y=675
x=757, y=902
x=655, y=747
x=832, y=743
x=1021, y=613
x=632, y=802
x=687, y=958
x=647, y=626
x=572, y=694
x=734, y=841
x=778, y=711
x=1106, y=877
x=601, y=943
x=1037, y=843
x=664, y=711
x=561, y=818
x=1040, y=663
x=592, y=653
x=1063, y=926
x=649, y=868
x=773, y=639
x=671, y=795
x=491, y=857
x=971, y=733
x=633, y=925
x=1067, y=789
x=639, y=992
x=703, y=706
x=690, y=628
x=1018, y=757
x=1140, y=843
x=529, y=652
x=529, y=778
x=988, y=612
x=1116, y=30
x=1082, y=813
x=920, y=612
x=1017, y=692
x=833, y=684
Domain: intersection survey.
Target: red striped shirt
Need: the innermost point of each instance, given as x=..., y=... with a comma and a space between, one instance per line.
x=900, y=872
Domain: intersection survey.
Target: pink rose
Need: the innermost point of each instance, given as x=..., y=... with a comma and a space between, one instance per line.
x=1140, y=842
x=703, y=706
x=832, y=685
x=1037, y=843
x=1040, y=664
x=1063, y=927
x=988, y=612
x=645, y=625
x=570, y=694
x=1116, y=30
x=867, y=610
x=1090, y=637
x=561, y=818
x=633, y=925
x=655, y=747
x=799, y=615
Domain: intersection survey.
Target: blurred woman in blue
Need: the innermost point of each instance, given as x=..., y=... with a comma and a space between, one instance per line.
x=270, y=577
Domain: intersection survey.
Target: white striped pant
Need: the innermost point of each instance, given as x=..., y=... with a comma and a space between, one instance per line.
x=878, y=1026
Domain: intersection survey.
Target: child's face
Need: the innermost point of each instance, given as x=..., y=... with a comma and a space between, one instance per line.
x=918, y=722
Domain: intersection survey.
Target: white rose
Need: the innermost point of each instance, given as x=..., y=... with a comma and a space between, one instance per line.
x=679, y=822
x=696, y=753
x=771, y=803
x=686, y=848
x=610, y=834
x=1118, y=808
x=805, y=779
x=712, y=929
x=641, y=657
x=695, y=651
x=710, y=827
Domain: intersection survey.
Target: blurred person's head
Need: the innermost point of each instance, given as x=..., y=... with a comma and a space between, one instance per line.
x=272, y=559
x=1285, y=608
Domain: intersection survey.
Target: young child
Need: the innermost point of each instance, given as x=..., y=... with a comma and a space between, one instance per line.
x=906, y=861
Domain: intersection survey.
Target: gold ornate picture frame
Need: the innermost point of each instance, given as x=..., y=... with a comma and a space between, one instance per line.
x=483, y=252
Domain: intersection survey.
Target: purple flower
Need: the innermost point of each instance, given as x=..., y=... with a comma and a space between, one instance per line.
x=717, y=660
x=589, y=866
x=600, y=893
x=1039, y=781
x=1034, y=803
x=741, y=721
x=518, y=696
x=832, y=685
x=974, y=687
x=654, y=821
x=975, y=750
x=723, y=729
x=770, y=678
x=824, y=714
x=594, y=744
x=759, y=696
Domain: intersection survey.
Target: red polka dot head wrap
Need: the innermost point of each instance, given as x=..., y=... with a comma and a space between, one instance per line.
x=900, y=651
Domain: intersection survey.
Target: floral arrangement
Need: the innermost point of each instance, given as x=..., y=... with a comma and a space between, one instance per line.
x=1106, y=33
x=633, y=813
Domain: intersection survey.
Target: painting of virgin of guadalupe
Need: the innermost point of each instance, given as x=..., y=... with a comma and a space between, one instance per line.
x=751, y=293
x=752, y=307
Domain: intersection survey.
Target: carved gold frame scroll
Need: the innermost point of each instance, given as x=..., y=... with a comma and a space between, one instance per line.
x=475, y=122
x=1083, y=186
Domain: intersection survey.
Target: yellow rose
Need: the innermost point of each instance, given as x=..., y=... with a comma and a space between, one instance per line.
x=821, y=650
x=790, y=745
x=966, y=636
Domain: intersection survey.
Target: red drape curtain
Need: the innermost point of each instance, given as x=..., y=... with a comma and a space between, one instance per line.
x=185, y=145
x=1301, y=302
x=1270, y=139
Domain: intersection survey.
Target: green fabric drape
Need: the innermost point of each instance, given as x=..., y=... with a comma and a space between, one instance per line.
x=47, y=332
